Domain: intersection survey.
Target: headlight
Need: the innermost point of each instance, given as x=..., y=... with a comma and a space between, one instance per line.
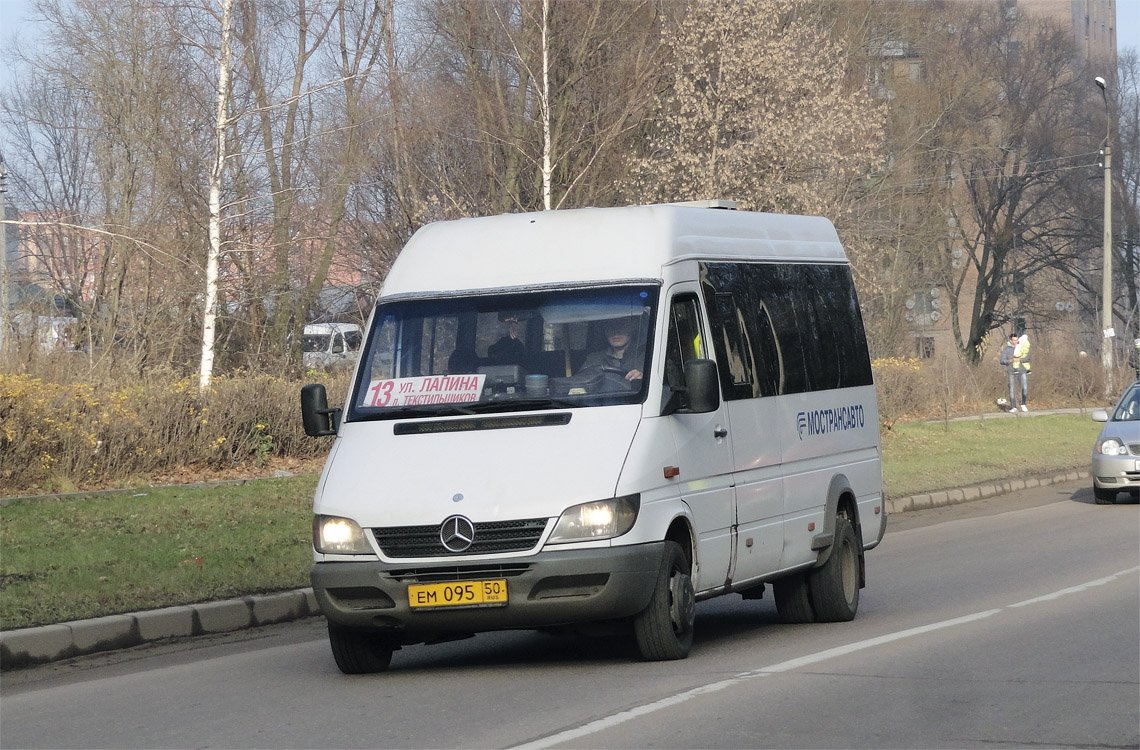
x=1111, y=447
x=603, y=519
x=333, y=535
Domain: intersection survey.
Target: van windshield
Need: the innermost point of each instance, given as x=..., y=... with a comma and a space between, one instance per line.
x=509, y=352
x=315, y=342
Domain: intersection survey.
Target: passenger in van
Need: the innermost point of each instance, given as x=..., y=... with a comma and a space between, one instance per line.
x=509, y=349
x=619, y=355
x=463, y=361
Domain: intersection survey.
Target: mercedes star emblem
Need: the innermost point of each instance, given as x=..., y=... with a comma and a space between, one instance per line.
x=457, y=533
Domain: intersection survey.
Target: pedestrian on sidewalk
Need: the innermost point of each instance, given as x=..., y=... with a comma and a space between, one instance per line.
x=1015, y=357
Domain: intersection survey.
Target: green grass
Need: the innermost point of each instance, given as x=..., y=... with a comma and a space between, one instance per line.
x=69, y=559
x=923, y=457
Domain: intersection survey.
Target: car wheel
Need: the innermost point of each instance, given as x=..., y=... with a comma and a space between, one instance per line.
x=835, y=586
x=664, y=629
x=359, y=651
x=1103, y=496
x=793, y=599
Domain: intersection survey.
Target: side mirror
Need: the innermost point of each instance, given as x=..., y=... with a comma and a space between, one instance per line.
x=318, y=418
x=1099, y=415
x=703, y=385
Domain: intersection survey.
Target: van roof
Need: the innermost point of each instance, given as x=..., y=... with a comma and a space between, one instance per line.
x=598, y=245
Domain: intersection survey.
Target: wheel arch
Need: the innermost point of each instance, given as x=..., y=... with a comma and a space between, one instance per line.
x=840, y=500
x=681, y=532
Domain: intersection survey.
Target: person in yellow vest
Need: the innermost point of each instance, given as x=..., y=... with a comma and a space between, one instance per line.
x=1021, y=367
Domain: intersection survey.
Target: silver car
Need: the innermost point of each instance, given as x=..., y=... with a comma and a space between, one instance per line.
x=1116, y=455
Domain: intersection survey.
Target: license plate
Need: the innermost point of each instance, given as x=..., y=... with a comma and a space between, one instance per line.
x=458, y=594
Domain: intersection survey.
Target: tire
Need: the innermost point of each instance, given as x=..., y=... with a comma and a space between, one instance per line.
x=664, y=629
x=359, y=651
x=1103, y=496
x=793, y=599
x=835, y=586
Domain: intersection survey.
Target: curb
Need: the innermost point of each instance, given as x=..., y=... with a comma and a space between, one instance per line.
x=49, y=643
x=976, y=492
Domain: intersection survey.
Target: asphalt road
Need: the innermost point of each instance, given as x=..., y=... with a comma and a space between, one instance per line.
x=1008, y=621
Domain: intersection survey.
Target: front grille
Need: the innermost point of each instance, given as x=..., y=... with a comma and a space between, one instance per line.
x=1134, y=449
x=458, y=573
x=491, y=537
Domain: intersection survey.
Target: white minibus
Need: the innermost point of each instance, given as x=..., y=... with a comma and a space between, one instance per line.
x=590, y=420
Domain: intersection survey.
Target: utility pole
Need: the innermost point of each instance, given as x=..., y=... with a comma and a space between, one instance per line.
x=1106, y=289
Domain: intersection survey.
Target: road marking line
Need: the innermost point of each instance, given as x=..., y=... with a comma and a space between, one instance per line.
x=1075, y=589
x=621, y=717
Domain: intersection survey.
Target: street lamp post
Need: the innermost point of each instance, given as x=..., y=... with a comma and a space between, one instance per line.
x=1106, y=289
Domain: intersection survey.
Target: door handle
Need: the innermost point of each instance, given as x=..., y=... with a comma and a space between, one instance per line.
x=720, y=432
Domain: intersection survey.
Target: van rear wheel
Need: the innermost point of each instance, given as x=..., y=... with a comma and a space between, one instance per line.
x=835, y=585
x=359, y=651
x=664, y=629
x=793, y=599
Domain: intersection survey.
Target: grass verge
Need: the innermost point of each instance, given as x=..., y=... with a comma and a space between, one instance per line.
x=69, y=559
x=928, y=456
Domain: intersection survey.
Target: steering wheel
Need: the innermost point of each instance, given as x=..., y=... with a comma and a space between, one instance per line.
x=613, y=379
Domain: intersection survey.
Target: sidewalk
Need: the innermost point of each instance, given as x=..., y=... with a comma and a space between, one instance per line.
x=48, y=643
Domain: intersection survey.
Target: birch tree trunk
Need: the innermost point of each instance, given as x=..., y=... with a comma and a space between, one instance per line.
x=547, y=170
x=209, y=317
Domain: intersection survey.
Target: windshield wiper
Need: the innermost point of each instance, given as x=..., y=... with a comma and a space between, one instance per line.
x=518, y=404
x=414, y=412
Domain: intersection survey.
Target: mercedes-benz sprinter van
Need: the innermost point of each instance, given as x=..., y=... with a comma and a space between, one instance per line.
x=599, y=417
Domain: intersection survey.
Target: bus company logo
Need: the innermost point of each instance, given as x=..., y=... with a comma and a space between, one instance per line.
x=825, y=421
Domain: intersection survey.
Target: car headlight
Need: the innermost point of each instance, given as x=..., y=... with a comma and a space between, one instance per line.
x=603, y=519
x=333, y=535
x=1111, y=447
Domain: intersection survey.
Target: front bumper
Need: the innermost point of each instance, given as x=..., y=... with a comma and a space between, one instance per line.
x=1120, y=473
x=548, y=590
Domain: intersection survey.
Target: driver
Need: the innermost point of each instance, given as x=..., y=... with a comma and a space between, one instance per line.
x=619, y=355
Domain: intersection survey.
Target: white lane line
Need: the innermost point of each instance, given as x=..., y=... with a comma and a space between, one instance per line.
x=1075, y=589
x=791, y=664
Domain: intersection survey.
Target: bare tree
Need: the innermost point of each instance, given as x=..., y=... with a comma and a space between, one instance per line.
x=997, y=136
x=221, y=123
x=760, y=107
x=1127, y=199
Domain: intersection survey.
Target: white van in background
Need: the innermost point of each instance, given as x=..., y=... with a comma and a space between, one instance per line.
x=330, y=344
x=599, y=417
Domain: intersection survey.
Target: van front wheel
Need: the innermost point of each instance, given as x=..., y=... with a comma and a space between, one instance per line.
x=664, y=629
x=835, y=586
x=359, y=651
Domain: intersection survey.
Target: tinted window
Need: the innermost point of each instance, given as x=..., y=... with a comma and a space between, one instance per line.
x=798, y=326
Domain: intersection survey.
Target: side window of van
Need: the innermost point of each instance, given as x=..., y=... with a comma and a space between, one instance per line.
x=731, y=344
x=783, y=328
x=684, y=339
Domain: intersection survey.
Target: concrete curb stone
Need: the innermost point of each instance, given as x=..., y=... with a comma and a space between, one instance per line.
x=40, y=645
x=32, y=646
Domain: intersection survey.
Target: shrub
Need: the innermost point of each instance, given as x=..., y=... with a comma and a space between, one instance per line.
x=56, y=436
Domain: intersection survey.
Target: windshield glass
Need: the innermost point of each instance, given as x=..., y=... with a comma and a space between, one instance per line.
x=315, y=342
x=487, y=353
x=1129, y=408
